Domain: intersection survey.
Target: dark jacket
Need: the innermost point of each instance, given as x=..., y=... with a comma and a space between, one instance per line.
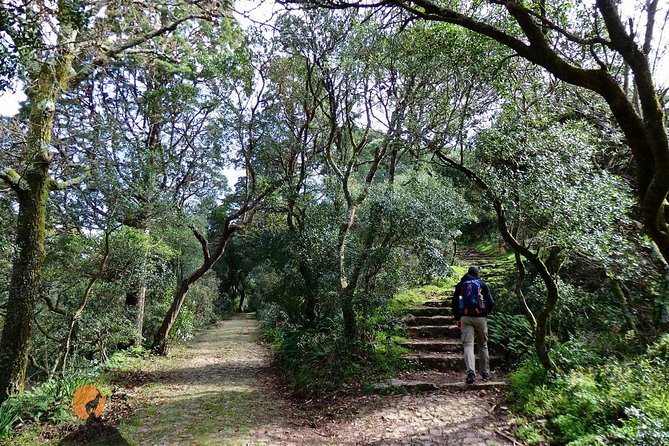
x=455, y=301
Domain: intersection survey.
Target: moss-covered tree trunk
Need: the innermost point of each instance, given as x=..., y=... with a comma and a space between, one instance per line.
x=32, y=190
x=24, y=285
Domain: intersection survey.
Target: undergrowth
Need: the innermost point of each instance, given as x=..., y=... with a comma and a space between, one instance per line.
x=321, y=360
x=441, y=289
x=51, y=402
x=620, y=402
x=318, y=362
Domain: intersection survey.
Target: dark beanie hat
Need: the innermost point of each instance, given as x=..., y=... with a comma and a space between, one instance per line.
x=473, y=270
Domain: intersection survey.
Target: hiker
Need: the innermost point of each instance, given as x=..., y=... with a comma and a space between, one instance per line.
x=471, y=304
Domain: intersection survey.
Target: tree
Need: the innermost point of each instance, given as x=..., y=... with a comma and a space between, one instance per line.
x=591, y=49
x=540, y=176
x=84, y=38
x=242, y=130
x=152, y=121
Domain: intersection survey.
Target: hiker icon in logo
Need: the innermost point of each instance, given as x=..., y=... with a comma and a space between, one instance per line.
x=88, y=402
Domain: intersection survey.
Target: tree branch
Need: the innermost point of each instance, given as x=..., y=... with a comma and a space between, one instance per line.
x=107, y=53
x=12, y=179
x=55, y=185
x=548, y=24
x=53, y=307
x=203, y=242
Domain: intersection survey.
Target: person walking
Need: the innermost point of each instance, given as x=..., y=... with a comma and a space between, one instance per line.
x=471, y=304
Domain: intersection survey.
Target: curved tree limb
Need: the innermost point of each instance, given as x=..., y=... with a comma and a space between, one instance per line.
x=541, y=319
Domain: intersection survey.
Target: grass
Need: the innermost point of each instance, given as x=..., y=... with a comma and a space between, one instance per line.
x=441, y=289
x=208, y=395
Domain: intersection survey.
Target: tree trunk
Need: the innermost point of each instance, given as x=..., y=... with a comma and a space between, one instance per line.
x=345, y=289
x=348, y=313
x=32, y=192
x=552, y=292
x=541, y=348
x=137, y=297
x=139, y=320
x=630, y=319
x=242, y=296
x=161, y=338
x=310, y=293
x=24, y=286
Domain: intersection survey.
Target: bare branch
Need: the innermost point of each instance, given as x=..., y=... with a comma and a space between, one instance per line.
x=651, y=6
x=53, y=307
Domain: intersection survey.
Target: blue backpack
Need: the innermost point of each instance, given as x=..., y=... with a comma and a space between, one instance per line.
x=471, y=301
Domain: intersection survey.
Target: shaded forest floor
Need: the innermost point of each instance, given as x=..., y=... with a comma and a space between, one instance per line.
x=220, y=389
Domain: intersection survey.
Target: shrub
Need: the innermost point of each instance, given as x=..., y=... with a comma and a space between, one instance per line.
x=524, y=381
x=9, y=414
x=574, y=353
x=513, y=333
x=321, y=360
x=50, y=402
x=623, y=402
x=126, y=360
x=316, y=360
x=642, y=429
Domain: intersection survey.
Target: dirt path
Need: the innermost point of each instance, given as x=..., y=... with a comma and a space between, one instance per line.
x=219, y=390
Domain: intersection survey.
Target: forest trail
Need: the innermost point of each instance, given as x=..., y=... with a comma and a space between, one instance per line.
x=220, y=390
x=434, y=339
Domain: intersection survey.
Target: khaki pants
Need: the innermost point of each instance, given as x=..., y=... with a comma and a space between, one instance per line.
x=471, y=326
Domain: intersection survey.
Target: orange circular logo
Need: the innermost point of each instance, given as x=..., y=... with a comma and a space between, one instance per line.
x=87, y=401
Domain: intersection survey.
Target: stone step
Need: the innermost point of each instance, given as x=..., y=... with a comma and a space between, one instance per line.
x=428, y=320
x=446, y=361
x=402, y=386
x=407, y=386
x=434, y=331
x=483, y=263
x=430, y=311
x=433, y=345
x=445, y=302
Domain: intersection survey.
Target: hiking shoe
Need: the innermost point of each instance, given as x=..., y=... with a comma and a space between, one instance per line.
x=485, y=376
x=471, y=377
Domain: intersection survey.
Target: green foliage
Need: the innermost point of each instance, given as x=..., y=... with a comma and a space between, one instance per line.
x=321, y=361
x=524, y=380
x=574, y=353
x=50, y=402
x=513, y=334
x=316, y=361
x=125, y=360
x=617, y=402
x=441, y=289
x=9, y=414
x=660, y=349
x=557, y=206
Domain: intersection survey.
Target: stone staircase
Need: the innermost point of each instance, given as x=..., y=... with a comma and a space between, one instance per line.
x=434, y=340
